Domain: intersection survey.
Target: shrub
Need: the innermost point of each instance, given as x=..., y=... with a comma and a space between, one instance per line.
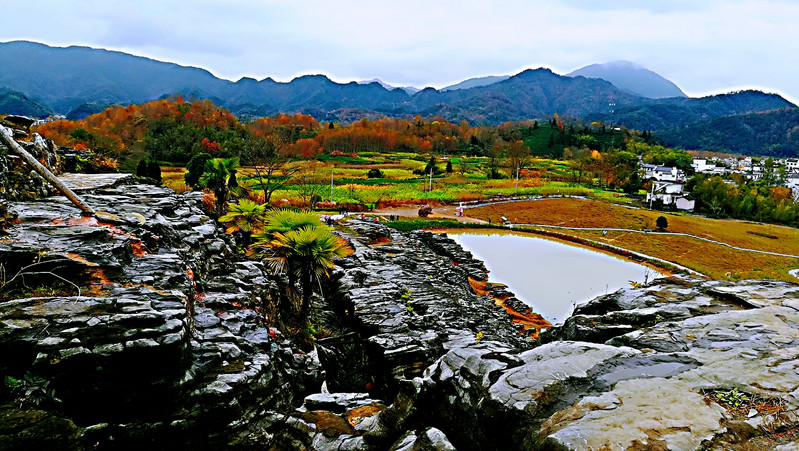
x=154, y=171
x=662, y=223
x=195, y=169
x=141, y=168
x=375, y=173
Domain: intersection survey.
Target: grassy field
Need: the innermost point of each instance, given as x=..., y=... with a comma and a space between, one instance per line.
x=713, y=260
x=400, y=185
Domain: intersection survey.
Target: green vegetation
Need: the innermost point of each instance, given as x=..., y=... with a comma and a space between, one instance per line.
x=303, y=248
x=767, y=134
x=744, y=199
x=31, y=391
x=219, y=175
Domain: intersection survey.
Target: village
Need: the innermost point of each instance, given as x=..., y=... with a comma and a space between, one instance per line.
x=668, y=183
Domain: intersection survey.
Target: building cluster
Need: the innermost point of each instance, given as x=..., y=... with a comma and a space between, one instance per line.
x=668, y=182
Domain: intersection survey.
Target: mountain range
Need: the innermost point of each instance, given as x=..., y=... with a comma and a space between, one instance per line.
x=38, y=80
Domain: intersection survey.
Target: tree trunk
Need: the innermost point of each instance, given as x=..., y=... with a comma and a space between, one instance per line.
x=307, y=283
x=7, y=137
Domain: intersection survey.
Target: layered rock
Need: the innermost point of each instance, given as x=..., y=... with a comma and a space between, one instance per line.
x=142, y=342
x=656, y=377
x=152, y=338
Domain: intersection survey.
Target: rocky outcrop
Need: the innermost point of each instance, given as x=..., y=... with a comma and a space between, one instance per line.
x=147, y=324
x=659, y=374
x=144, y=325
x=411, y=301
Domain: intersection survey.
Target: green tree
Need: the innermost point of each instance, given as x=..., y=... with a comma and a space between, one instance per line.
x=195, y=169
x=141, y=168
x=284, y=220
x=217, y=176
x=154, y=171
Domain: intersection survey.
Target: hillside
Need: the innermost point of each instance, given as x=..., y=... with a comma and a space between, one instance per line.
x=772, y=133
x=681, y=112
x=79, y=81
x=18, y=103
x=631, y=78
x=476, y=82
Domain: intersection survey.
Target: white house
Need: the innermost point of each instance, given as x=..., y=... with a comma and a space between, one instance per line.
x=667, y=174
x=701, y=165
x=667, y=192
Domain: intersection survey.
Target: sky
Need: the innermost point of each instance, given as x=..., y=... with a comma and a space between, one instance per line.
x=704, y=46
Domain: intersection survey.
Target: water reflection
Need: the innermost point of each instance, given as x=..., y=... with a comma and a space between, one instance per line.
x=549, y=276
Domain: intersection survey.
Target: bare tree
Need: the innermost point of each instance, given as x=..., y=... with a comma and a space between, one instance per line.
x=265, y=155
x=309, y=177
x=518, y=156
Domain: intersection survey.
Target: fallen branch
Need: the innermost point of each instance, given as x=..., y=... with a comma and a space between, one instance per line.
x=7, y=138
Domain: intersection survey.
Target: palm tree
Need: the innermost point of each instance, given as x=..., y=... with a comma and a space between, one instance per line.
x=307, y=253
x=219, y=174
x=245, y=217
x=285, y=219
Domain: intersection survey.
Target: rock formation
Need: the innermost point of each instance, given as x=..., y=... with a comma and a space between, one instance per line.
x=144, y=327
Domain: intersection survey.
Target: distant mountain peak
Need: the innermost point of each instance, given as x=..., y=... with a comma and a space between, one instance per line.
x=631, y=77
x=408, y=89
x=476, y=82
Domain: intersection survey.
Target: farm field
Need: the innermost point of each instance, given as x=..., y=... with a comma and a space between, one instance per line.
x=714, y=260
x=398, y=184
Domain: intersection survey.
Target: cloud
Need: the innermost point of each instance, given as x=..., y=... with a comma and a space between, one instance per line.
x=702, y=46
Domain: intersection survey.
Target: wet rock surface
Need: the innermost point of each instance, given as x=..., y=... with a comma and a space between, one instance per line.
x=654, y=376
x=157, y=347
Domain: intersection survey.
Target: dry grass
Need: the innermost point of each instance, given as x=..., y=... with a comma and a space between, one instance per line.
x=173, y=178
x=718, y=262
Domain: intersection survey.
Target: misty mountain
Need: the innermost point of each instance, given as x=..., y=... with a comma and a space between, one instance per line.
x=476, y=82
x=632, y=78
x=411, y=90
x=77, y=81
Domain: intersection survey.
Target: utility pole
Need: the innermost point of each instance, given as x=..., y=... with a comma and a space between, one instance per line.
x=652, y=195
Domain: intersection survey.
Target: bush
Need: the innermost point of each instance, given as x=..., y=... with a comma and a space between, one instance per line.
x=662, y=223
x=154, y=171
x=195, y=169
x=374, y=173
x=141, y=169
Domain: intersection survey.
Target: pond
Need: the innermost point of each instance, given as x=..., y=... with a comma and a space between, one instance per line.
x=550, y=276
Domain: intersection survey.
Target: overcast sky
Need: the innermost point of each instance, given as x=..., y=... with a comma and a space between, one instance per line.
x=704, y=46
